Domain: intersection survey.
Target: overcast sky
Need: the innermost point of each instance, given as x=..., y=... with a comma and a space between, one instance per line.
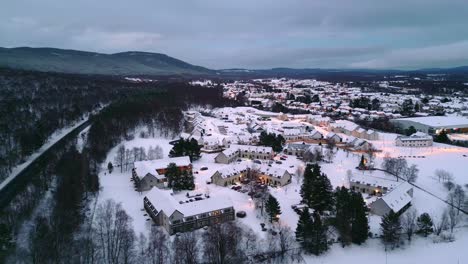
x=219, y=34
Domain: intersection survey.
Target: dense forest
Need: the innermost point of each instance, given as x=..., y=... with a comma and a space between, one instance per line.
x=33, y=105
x=64, y=187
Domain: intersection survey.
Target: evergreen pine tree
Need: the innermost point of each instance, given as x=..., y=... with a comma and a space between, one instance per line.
x=110, y=167
x=343, y=213
x=178, y=149
x=362, y=163
x=307, y=184
x=316, y=190
x=359, y=221
x=425, y=224
x=188, y=180
x=272, y=208
x=303, y=228
x=391, y=229
x=318, y=236
x=194, y=150
x=173, y=176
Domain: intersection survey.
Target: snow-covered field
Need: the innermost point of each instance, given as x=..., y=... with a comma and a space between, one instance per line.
x=118, y=186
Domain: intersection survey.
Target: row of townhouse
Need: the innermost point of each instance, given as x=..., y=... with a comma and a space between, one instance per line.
x=267, y=174
x=359, y=144
x=351, y=129
x=187, y=213
x=235, y=152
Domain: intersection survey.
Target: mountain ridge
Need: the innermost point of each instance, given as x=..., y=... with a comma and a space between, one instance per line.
x=48, y=59
x=85, y=62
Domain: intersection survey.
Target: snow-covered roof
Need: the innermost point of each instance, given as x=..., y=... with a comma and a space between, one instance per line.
x=345, y=124
x=399, y=197
x=162, y=200
x=150, y=166
x=273, y=171
x=298, y=146
x=231, y=170
x=418, y=136
x=370, y=180
x=252, y=149
x=438, y=121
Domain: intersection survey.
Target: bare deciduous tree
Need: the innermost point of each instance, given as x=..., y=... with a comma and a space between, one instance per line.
x=157, y=250
x=411, y=173
x=453, y=217
x=443, y=175
x=457, y=197
x=286, y=240
x=329, y=155
x=222, y=243
x=185, y=248
x=120, y=157
x=409, y=223
x=440, y=223
x=114, y=232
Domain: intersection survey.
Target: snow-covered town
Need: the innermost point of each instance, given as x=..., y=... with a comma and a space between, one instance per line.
x=246, y=156
x=234, y=132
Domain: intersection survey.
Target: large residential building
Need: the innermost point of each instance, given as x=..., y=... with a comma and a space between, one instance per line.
x=235, y=152
x=417, y=139
x=188, y=213
x=149, y=173
x=434, y=124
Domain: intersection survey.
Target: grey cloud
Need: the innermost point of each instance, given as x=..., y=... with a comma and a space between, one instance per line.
x=244, y=33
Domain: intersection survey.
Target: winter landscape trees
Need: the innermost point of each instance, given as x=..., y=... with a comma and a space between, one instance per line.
x=186, y=147
x=178, y=179
x=316, y=190
x=272, y=140
x=350, y=217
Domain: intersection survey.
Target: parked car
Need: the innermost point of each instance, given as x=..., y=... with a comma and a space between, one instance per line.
x=203, y=168
x=241, y=214
x=257, y=161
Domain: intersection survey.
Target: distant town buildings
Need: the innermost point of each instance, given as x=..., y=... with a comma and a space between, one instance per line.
x=434, y=124
x=417, y=139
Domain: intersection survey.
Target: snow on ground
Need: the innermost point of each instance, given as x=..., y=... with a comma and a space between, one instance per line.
x=81, y=139
x=119, y=187
x=421, y=250
x=56, y=136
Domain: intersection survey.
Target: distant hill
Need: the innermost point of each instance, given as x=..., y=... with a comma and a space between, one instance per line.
x=82, y=62
x=147, y=63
